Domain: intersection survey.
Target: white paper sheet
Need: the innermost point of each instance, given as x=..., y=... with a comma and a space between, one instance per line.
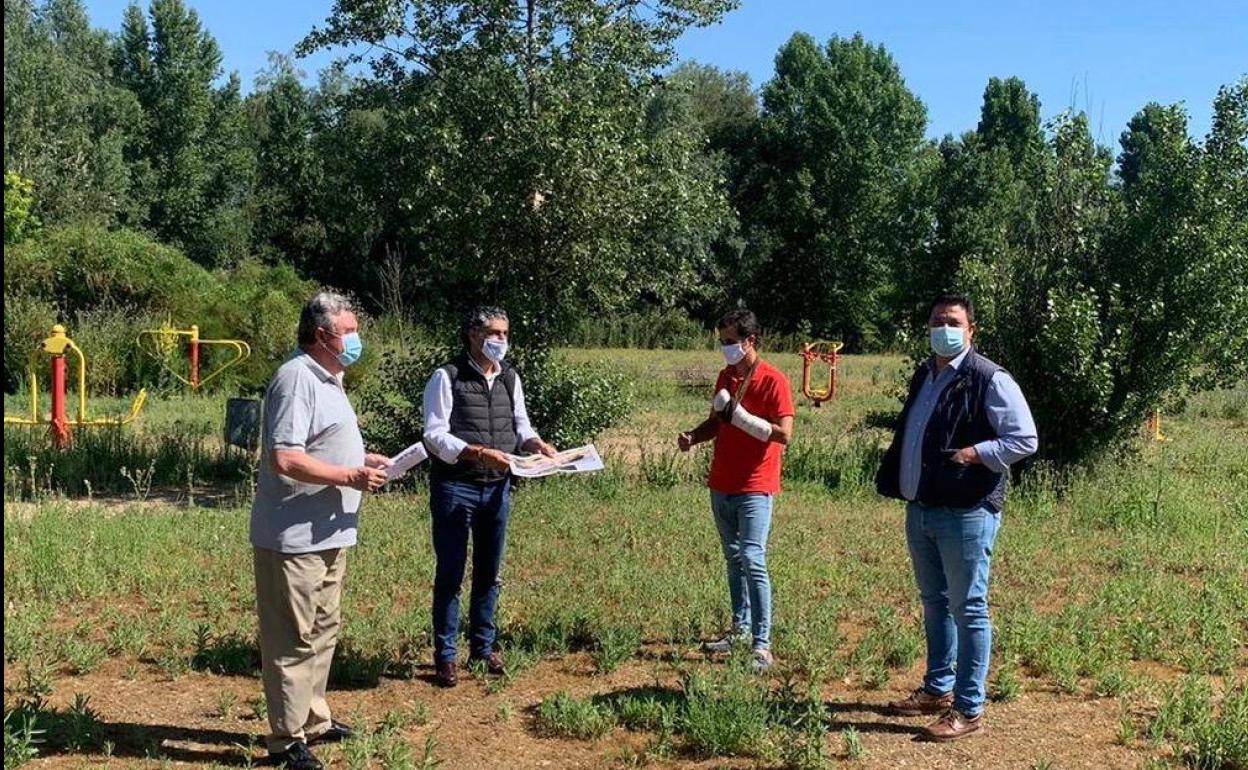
x=583, y=459
x=406, y=460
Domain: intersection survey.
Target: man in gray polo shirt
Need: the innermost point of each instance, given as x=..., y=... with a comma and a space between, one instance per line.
x=313, y=471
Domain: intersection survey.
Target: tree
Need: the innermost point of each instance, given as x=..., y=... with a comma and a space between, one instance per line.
x=718, y=109
x=192, y=155
x=1225, y=215
x=19, y=200
x=282, y=118
x=1103, y=296
x=839, y=163
x=65, y=124
x=1010, y=118
x=523, y=165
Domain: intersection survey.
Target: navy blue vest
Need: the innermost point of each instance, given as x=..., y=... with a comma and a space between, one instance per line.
x=480, y=414
x=959, y=420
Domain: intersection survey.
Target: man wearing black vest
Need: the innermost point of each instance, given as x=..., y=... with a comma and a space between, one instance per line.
x=474, y=418
x=964, y=422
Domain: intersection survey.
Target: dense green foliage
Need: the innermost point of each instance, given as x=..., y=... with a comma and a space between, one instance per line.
x=547, y=156
x=107, y=285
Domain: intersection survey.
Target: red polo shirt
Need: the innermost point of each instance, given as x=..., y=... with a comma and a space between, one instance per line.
x=741, y=463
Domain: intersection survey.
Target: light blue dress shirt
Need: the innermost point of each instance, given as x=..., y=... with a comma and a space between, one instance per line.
x=1008, y=414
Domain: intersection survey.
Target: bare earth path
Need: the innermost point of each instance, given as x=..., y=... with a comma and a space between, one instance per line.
x=146, y=718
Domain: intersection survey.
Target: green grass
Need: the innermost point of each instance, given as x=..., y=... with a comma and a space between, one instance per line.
x=175, y=446
x=1121, y=572
x=561, y=715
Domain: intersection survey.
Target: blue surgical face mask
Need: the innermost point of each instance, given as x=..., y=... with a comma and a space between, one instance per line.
x=733, y=353
x=352, y=348
x=495, y=349
x=947, y=341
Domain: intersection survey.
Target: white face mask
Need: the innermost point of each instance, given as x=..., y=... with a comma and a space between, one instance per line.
x=733, y=353
x=495, y=349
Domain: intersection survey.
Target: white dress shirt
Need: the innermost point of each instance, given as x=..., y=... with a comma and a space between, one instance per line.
x=438, y=402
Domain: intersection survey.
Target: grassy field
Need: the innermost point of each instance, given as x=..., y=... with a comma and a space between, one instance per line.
x=1120, y=605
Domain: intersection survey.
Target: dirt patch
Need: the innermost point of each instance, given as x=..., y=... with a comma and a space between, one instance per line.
x=149, y=717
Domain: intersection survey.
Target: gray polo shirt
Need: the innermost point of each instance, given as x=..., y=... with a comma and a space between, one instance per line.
x=305, y=408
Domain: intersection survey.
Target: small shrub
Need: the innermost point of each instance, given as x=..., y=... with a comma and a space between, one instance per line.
x=27, y=321
x=1006, y=686
x=614, y=646
x=21, y=738
x=561, y=715
x=661, y=469
x=805, y=730
x=1113, y=683
x=646, y=712
x=229, y=654
x=1206, y=736
x=570, y=404
x=851, y=739
x=726, y=717
x=82, y=655
x=81, y=726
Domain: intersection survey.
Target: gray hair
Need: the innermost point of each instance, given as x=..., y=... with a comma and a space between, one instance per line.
x=478, y=318
x=319, y=313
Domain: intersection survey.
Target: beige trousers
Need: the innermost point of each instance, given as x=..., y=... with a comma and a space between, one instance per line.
x=298, y=602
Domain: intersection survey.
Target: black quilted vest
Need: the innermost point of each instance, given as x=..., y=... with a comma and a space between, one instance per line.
x=479, y=415
x=959, y=420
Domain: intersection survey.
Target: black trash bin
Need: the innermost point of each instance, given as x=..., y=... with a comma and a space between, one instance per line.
x=242, y=423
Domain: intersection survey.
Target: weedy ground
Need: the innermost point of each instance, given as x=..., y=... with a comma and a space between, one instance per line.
x=1119, y=599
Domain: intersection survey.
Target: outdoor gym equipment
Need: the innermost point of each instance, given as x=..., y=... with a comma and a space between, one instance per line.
x=1154, y=426
x=828, y=353
x=58, y=346
x=166, y=338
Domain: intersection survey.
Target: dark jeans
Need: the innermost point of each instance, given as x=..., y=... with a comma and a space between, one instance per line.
x=458, y=508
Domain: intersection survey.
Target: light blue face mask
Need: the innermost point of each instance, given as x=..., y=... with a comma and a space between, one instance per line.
x=495, y=349
x=947, y=341
x=352, y=349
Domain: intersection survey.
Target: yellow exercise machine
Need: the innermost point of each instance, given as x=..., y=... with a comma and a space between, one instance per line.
x=58, y=346
x=827, y=353
x=166, y=338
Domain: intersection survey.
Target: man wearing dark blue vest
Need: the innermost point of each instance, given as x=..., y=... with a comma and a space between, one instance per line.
x=964, y=423
x=475, y=418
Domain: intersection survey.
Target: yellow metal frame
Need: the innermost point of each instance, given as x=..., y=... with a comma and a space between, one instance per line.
x=242, y=351
x=1154, y=426
x=812, y=351
x=57, y=345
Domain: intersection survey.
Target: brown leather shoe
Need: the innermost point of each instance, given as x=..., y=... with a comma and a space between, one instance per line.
x=493, y=664
x=447, y=674
x=921, y=702
x=952, y=726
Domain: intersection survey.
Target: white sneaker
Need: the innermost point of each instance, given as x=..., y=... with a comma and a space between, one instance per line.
x=727, y=643
x=763, y=660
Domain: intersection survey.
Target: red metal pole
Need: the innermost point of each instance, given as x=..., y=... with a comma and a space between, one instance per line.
x=61, y=436
x=194, y=363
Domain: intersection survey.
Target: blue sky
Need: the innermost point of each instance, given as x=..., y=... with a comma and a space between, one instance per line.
x=1108, y=57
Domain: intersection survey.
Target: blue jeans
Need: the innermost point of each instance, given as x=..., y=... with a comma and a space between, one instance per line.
x=743, y=522
x=459, y=508
x=952, y=551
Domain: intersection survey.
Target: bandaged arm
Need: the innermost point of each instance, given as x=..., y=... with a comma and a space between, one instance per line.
x=754, y=426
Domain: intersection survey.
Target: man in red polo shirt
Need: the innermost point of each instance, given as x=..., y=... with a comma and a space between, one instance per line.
x=751, y=420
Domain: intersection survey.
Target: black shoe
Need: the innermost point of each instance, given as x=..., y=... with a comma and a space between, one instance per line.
x=296, y=757
x=336, y=733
